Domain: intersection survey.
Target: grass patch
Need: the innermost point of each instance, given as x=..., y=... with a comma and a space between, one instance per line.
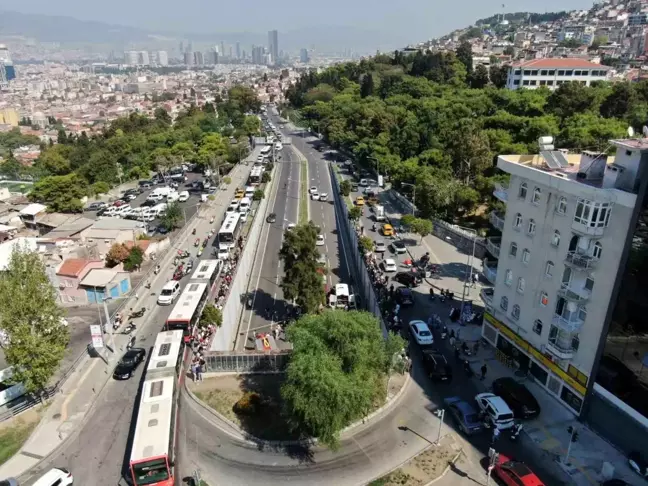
x=13, y=437
x=303, y=193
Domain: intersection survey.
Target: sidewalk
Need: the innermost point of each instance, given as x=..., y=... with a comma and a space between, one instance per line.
x=68, y=410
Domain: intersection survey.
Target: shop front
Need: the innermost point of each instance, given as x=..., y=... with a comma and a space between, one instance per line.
x=567, y=386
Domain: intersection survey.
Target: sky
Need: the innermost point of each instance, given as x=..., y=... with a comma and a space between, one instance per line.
x=412, y=20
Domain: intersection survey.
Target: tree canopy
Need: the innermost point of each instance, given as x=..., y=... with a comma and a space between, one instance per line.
x=337, y=371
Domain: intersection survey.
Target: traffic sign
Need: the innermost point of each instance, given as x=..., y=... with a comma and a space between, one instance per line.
x=97, y=336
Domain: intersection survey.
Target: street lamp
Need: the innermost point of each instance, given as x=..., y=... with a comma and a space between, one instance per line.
x=470, y=263
x=109, y=324
x=413, y=194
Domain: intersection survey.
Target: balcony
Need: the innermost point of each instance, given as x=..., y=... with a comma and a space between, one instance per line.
x=493, y=245
x=486, y=295
x=490, y=271
x=559, y=350
x=580, y=296
x=497, y=220
x=501, y=192
x=580, y=261
x=571, y=324
x=586, y=229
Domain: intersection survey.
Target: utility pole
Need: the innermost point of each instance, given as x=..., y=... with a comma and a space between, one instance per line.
x=493, y=457
x=441, y=414
x=573, y=437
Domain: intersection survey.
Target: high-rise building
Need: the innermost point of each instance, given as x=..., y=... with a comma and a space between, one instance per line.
x=303, y=56
x=131, y=58
x=222, y=48
x=189, y=58
x=564, y=234
x=143, y=58
x=162, y=58
x=181, y=47
x=238, y=50
x=211, y=57
x=5, y=59
x=258, y=55
x=199, y=59
x=273, y=45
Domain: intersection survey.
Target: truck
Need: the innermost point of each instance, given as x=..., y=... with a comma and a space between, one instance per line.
x=341, y=297
x=379, y=212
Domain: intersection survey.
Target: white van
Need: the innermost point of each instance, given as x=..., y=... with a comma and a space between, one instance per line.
x=159, y=209
x=233, y=207
x=249, y=191
x=169, y=292
x=124, y=210
x=57, y=476
x=244, y=205
x=155, y=197
x=183, y=196
x=172, y=196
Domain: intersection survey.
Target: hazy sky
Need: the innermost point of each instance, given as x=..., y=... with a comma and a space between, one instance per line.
x=412, y=19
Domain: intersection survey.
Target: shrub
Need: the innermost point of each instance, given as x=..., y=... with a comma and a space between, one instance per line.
x=248, y=404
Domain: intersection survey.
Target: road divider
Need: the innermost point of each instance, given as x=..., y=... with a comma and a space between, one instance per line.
x=304, y=207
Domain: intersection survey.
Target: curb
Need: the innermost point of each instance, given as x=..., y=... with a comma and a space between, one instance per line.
x=246, y=437
x=447, y=468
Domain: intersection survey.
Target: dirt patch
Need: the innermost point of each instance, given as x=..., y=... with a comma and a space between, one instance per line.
x=421, y=469
x=15, y=432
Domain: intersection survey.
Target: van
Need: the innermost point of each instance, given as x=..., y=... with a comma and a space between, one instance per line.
x=159, y=209
x=183, y=196
x=249, y=192
x=169, y=292
x=244, y=205
x=155, y=197
x=58, y=476
x=172, y=196
x=496, y=410
x=124, y=209
x=233, y=207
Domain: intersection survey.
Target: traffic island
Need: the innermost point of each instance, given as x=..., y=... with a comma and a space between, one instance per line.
x=15, y=432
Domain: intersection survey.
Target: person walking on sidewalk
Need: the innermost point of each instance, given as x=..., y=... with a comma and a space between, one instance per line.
x=496, y=434
x=483, y=372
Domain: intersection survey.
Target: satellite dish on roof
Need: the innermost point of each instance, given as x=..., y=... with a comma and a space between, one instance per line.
x=631, y=132
x=645, y=131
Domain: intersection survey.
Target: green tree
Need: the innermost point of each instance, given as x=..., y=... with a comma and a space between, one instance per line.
x=53, y=163
x=407, y=220
x=100, y=188
x=61, y=194
x=302, y=282
x=570, y=99
x=366, y=244
x=465, y=55
x=211, y=315
x=345, y=188
x=32, y=321
x=266, y=177
x=251, y=125
x=479, y=77
x=509, y=51
x=162, y=116
x=355, y=213
x=62, y=137
x=618, y=102
x=172, y=217
x=498, y=75
x=421, y=227
x=337, y=371
x=134, y=259
x=258, y=195
x=367, y=86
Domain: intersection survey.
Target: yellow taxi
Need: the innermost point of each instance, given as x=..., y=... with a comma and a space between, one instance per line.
x=359, y=201
x=239, y=194
x=387, y=230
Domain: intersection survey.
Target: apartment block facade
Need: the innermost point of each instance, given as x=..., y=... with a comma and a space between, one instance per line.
x=552, y=72
x=554, y=267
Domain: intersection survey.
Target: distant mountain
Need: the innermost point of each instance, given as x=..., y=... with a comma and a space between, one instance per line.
x=46, y=28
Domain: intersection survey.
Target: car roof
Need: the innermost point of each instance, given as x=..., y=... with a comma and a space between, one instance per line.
x=398, y=243
x=404, y=290
x=496, y=401
x=390, y=261
x=514, y=388
x=133, y=351
x=419, y=324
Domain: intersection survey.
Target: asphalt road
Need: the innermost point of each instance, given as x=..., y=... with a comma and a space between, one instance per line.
x=98, y=454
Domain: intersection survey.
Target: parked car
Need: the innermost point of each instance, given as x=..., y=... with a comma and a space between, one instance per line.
x=421, y=333
x=398, y=247
x=96, y=206
x=464, y=414
x=496, y=409
x=517, y=397
x=404, y=296
x=436, y=365
x=409, y=279
x=515, y=473
x=320, y=240
x=389, y=265
x=380, y=247
x=183, y=196
x=129, y=363
x=57, y=476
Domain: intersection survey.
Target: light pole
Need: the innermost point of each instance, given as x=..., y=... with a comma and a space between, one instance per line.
x=109, y=324
x=493, y=456
x=441, y=414
x=413, y=195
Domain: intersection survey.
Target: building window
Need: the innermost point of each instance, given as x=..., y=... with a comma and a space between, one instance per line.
x=544, y=299
x=508, y=277
x=552, y=72
x=522, y=193
x=525, y=82
x=521, y=285
x=549, y=269
x=517, y=222
x=504, y=303
x=550, y=82
x=515, y=313
x=569, y=72
x=592, y=214
x=597, y=252
x=518, y=72
x=533, y=82
x=543, y=72
x=531, y=227
x=575, y=342
x=561, y=72
x=561, y=208
x=577, y=73
x=513, y=250
x=555, y=239
x=537, y=327
x=526, y=256
x=527, y=72
x=536, y=195
x=516, y=82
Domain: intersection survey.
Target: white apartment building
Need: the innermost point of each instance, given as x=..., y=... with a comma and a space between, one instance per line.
x=552, y=72
x=554, y=267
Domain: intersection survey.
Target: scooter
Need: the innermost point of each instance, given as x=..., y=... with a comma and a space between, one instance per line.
x=130, y=327
x=131, y=342
x=136, y=314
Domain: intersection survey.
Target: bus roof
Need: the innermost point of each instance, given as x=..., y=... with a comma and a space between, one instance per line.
x=257, y=171
x=188, y=302
x=229, y=225
x=341, y=289
x=165, y=354
x=153, y=428
x=206, y=269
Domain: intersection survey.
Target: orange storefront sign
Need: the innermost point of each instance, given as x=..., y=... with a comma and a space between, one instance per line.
x=537, y=355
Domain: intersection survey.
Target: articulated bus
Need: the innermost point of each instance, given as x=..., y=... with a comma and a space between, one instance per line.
x=229, y=231
x=255, y=176
x=207, y=272
x=165, y=358
x=186, y=312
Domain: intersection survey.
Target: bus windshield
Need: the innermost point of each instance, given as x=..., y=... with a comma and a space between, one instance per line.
x=150, y=472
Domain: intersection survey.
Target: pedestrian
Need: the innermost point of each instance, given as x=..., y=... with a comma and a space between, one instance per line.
x=483, y=372
x=496, y=434
x=201, y=367
x=452, y=340
x=194, y=371
x=474, y=280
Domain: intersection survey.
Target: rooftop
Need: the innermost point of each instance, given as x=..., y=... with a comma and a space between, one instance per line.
x=569, y=62
x=72, y=267
x=99, y=277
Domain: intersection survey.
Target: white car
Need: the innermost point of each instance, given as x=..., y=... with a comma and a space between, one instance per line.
x=315, y=196
x=496, y=409
x=58, y=476
x=183, y=196
x=389, y=265
x=313, y=190
x=320, y=240
x=291, y=226
x=421, y=333
x=223, y=253
x=169, y=292
x=323, y=196
x=380, y=247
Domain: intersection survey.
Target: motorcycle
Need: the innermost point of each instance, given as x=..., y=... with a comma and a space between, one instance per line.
x=193, y=231
x=197, y=242
x=179, y=273
x=138, y=313
x=130, y=327
x=131, y=342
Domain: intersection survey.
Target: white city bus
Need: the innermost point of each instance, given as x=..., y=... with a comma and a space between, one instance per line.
x=186, y=312
x=165, y=357
x=265, y=151
x=255, y=176
x=229, y=231
x=207, y=272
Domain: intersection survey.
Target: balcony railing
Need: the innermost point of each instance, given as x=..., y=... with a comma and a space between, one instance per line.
x=493, y=245
x=560, y=350
x=575, y=295
x=587, y=230
x=570, y=324
x=497, y=220
x=580, y=260
x=501, y=192
x=490, y=271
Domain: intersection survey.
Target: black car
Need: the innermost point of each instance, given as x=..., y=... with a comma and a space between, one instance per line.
x=517, y=397
x=404, y=296
x=272, y=217
x=436, y=365
x=148, y=203
x=409, y=279
x=129, y=363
